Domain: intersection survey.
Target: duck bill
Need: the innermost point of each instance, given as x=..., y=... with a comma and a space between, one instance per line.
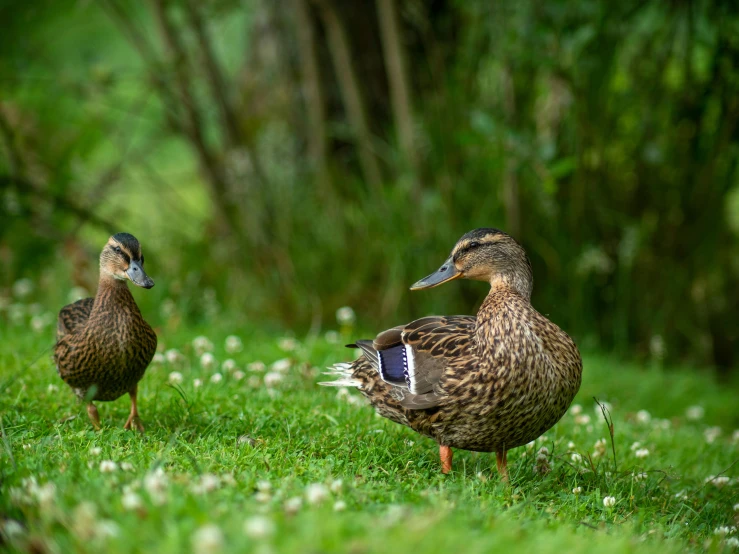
x=138, y=276
x=447, y=272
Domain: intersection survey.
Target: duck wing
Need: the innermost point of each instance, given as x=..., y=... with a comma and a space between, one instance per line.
x=73, y=317
x=414, y=357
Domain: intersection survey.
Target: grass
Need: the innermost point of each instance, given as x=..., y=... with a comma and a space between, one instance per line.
x=218, y=443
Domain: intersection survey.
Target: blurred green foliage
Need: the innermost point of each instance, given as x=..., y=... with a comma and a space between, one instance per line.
x=603, y=135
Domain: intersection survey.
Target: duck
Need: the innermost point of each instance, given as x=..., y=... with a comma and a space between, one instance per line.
x=104, y=345
x=485, y=383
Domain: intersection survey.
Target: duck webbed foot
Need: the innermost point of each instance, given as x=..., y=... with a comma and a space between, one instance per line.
x=92, y=413
x=502, y=460
x=134, y=421
x=446, y=454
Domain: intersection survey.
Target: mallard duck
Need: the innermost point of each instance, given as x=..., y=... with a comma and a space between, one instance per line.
x=103, y=344
x=488, y=383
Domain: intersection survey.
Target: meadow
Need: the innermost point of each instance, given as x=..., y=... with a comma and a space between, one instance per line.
x=244, y=452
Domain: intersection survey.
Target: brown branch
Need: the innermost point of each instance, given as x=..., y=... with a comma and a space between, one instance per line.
x=25, y=186
x=312, y=92
x=151, y=61
x=350, y=92
x=194, y=127
x=399, y=90
x=216, y=78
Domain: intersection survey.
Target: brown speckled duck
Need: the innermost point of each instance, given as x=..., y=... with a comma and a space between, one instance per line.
x=487, y=383
x=103, y=344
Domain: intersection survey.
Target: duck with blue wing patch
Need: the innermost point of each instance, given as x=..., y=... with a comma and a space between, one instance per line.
x=485, y=383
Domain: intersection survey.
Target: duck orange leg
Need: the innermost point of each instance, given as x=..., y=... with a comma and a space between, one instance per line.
x=92, y=413
x=502, y=459
x=134, y=421
x=446, y=454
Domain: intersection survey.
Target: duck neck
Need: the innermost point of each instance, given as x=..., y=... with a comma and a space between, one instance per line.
x=504, y=282
x=111, y=291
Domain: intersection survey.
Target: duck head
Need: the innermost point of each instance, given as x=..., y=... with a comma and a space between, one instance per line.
x=122, y=259
x=485, y=254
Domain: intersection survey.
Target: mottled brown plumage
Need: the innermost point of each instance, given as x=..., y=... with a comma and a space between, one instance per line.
x=487, y=383
x=103, y=344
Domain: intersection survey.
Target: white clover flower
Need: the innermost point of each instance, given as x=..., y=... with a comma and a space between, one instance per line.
x=543, y=465
x=84, y=520
x=599, y=448
x=316, y=493
x=724, y=530
x=229, y=366
x=167, y=308
x=332, y=337
x=292, y=505
x=77, y=293
x=127, y=466
x=336, y=486
x=643, y=416
x=732, y=542
x=256, y=366
x=233, y=344
x=108, y=466
x=577, y=490
x=735, y=435
x=662, y=424
x=156, y=484
x=609, y=501
x=158, y=359
x=22, y=288
x=26, y=447
x=281, y=366
x=272, y=379
x=339, y=506
x=694, y=413
x=208, y=361
x=640, y=476
x=207, y=483
x=11, y=528
x=216, y=378
x=45, y=495
x=345, y=316
x=201, y=345
x=582, y=419
x=287, y=344
x=175, y=378
x=576, y=458
x=238, y=375
x=52, y=388
x=711, y=434
x=41, y=322
x=575, y=409
x=719, y=481
x=263, y=497
x=197, y=383
x=641, y=453
x=131, y=501
x=264, y=486
x=736, y=507
x=105, y=529
x=607, y=406
x=173, y=356
x=207, y=540
x=259, y=527
x=571, y=445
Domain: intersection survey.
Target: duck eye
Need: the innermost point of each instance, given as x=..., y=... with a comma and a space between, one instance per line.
x=473, y=244
x=117, y=249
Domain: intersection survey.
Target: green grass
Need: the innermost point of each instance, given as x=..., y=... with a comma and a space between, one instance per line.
x=296, y=434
